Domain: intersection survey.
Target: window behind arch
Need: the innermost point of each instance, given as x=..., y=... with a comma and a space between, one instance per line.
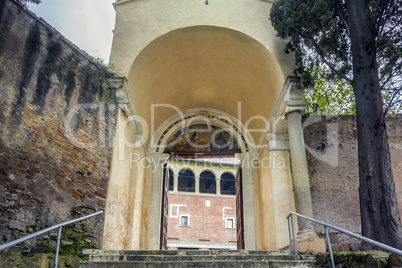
x=228, y=182
x=171, y=180
x=186, y=181
x=207, y=182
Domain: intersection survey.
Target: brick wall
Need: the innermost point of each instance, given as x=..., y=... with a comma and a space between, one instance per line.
x=45, y=178
x=207, y=223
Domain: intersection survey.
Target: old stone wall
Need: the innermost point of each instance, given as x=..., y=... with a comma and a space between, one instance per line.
x=331, y=144
x=56, y=127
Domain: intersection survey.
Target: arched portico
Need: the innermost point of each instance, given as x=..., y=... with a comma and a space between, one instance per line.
x=222, y=71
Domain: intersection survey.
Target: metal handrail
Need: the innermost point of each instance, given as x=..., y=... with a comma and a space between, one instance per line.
x=60, y=226
x=326, y=226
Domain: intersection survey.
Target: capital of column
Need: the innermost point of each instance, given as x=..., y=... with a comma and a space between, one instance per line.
x=121, y=87
x=294, y=100
x=124, y=101
x=291, y=106
x=278, y=142
x=157, y=158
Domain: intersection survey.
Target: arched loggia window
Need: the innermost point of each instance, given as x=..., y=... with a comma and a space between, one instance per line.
x=171, y=180
x=228, y=182
x=207, y=183
x=186, y=181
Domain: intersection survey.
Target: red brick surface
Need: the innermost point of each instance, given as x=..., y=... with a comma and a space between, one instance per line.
x=207, y=224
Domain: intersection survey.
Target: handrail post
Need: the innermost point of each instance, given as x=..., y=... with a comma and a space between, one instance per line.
x=293, y=235
x=329, y=247
x=57, y=248
x=48, y=229
x=327, y=225
x=290, y=236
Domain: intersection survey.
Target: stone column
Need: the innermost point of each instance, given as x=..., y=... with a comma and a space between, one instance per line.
x=155, y=210
x=301, y=182
x=197, y=184
x=292, y=106
x=175, y=183
x=218, y=186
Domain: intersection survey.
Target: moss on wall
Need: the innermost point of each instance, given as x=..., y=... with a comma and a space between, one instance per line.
x=361, y=259
x=45, y=177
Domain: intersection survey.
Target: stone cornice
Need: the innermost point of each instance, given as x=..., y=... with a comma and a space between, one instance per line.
x=294, y=100
x=124, y=100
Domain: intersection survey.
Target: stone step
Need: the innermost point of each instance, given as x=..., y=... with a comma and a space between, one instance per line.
x=213, y=264
x=256, y=257
x=195, y=258
x=185, y=252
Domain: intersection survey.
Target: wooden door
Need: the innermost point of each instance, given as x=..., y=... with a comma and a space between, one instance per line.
x=165, y=209
x=239, y=209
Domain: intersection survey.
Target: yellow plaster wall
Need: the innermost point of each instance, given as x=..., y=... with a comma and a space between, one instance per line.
x=137, y=191
x=267, y=212
x=140, y=22
x=146, y=203
x=283, y=196
x=259, y=230
x=123, y=217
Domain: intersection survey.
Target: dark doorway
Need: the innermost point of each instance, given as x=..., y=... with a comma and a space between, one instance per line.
x=239, y=209
x=165, y=209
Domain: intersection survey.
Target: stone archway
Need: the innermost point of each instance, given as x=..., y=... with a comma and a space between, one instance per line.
x=162, y=136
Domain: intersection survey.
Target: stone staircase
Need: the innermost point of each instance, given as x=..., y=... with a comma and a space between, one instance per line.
x=195, y=258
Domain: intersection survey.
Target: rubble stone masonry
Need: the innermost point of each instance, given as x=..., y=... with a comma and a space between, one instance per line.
x=331, y=143
x=45, y=178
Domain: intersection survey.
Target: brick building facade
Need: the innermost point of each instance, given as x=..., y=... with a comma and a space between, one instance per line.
x=202, y=205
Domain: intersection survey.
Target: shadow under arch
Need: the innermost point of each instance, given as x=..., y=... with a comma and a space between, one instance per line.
x=205, y=66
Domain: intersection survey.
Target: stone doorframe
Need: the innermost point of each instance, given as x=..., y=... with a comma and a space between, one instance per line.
x=158, y=158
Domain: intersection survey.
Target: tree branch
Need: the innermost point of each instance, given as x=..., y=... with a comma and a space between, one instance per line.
x=320, y=53
x=345, y=21
x=391, y=102
x=347, y=79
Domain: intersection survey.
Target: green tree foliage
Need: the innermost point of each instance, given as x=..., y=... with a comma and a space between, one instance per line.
x=360, y=42
x=327, y=96
x=319, y=34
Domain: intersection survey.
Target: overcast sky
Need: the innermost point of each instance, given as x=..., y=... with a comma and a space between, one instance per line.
x=86, y=23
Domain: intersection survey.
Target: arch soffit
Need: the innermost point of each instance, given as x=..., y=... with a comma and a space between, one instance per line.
x=218, y=118
x=261, y=77
x=268, y=37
